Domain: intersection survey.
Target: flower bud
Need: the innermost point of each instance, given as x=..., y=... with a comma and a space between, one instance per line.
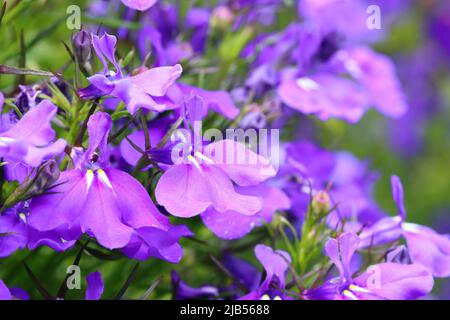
x=221, y=17
x=398, y=254
x=321, y=203
x=82, y=45
x=47, y=175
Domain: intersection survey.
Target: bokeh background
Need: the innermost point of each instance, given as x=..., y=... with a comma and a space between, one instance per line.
x=415, y=147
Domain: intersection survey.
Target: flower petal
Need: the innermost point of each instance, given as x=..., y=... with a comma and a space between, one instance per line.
x=156, y=81
x=95, y=286
x=241, y=164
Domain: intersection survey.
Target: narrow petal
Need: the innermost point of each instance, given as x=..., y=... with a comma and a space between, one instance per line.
x=98, y=127
x=398, y=196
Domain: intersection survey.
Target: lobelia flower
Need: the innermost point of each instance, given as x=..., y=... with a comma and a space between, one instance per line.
x=393, y=281
x=425, y=246
x=104, y=202
x=29, y=141
x=140, y=5
x=136, y=91
x=276, y=264
x=202, y=176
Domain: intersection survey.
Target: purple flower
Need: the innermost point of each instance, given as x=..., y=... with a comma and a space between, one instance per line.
x=389, y=280
x=426, y=246
x=276, y=265
x=202, y=176
x=96, y=198
x=30, y=140
x=329, y=95
x=136, y=91
x=140, y=5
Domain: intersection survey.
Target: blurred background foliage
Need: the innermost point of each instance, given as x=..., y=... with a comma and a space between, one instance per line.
x=426, y=174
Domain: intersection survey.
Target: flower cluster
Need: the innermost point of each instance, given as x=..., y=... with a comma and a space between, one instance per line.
x=199, y=131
